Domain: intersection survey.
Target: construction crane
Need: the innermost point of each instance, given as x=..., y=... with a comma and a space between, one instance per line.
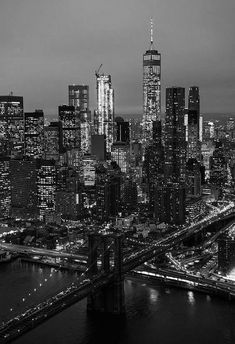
x=97, y=71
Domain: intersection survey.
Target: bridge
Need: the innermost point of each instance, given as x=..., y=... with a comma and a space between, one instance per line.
x=103, y=285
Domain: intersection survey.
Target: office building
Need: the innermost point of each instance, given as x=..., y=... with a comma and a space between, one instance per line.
x=207, y=149
x=153, y=167
x=193, y=178
x=122, y=130
x=23, y=178
x=79, y=98
x=129, y=195
x=102, y=193
x=226, y=253
x=53, y=141
x=98, y=147
x=121, y=155
x=208, y=130
x=175, y=144
x=170, y=196
x=34, y=133
x=170, y=204
x=194, y=145
x=218, y=166
x=89, y=170
x=70, y=123
x=66, y=204
x=5, y=187
x=104, y=114
x=85, y=131
x=46, y=187
x=11, y=125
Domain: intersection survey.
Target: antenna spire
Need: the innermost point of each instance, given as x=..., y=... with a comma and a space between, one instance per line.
x=151, y=31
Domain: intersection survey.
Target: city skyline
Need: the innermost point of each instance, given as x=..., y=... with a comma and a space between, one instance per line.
x=63, y=52
x=117, y=171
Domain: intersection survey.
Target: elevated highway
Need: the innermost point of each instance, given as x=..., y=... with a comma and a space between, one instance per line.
x=35, y=251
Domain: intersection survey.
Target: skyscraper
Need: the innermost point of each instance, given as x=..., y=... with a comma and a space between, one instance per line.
x=11, y=125
x=52, y=141
x=170, y=197
x=70, y=127
x=154, y=163
x=98, y=147
x=226, y=253
x=23, y=177
x=151, y=89
x=5, y=187
x=46, y=186
x=122, y=130
x=175, y=145
x=34, y=125
x=121, y=155
x=79, y=98
x=104, y=114
x=194, y=145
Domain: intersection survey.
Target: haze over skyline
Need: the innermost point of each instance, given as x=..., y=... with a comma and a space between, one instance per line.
x=47, y=45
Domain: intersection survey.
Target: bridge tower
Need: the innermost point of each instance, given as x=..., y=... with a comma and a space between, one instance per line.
x=109, y=298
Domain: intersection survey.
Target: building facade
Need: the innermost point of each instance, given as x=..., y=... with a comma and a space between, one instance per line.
x=194, y=144
x=104, y=114
x=24, y=197
x=5, y=187
x=79, y=98
x=170, y=197
x=34, y=133
x=70, y=127
x=11, y=125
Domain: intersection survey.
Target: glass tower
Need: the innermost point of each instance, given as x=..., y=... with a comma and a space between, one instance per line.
x=104, y=115
x=151, y=89
x=194, y=146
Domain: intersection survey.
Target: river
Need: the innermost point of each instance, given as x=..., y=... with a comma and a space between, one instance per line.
x=154, y=314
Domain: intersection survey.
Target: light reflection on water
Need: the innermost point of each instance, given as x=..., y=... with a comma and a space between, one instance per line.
x=154, y=314
x=153, y=295
x=191, y=298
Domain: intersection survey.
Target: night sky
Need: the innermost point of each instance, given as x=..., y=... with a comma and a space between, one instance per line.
x=47, y=44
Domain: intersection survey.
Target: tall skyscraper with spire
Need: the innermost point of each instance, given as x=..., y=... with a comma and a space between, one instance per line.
x=151, y=88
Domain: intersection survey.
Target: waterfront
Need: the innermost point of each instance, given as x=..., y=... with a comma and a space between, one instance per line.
x=154, y=314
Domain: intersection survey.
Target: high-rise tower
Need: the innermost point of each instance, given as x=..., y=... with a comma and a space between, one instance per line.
x=70, y=127
x=104, y=115
x=170, y=198
x=33, y=133
x=151, y=89
x=175, y=145
x=11, y=125
x=194, y=145
x=79, y=98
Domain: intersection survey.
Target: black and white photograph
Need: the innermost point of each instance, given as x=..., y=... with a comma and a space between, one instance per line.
x=117, y=172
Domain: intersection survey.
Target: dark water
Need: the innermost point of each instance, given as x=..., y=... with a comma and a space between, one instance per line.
x=155, y=315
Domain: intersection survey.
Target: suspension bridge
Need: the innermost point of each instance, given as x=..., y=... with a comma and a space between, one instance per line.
x=103, y=281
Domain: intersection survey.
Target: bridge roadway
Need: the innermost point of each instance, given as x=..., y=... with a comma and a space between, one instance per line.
x=75, y=293
x=200, y=283
x=162, y=245
x=52, y=306
x=29, y=250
